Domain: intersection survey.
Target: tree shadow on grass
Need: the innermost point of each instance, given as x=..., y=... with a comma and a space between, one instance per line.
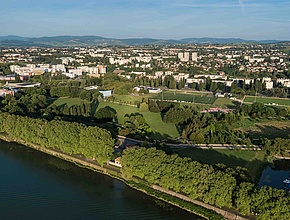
x=213, y=157
x=233, y=105
x=111, y=127
x=94, y=106
x=270, y=132
x=50, y=101
x=60, y=107
x=158, y=136
x=111, y=109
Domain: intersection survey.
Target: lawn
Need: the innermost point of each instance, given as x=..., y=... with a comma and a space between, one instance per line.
x=131, y=99
x=185, y=97
x=225, y=103
x=267, y=100
x=264, y=128
x=161, y=129
x=252, y=160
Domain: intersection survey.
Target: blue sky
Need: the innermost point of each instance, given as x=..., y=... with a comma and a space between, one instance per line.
x=168, y=19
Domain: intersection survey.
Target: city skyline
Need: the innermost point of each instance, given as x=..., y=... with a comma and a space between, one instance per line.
x=166, y=19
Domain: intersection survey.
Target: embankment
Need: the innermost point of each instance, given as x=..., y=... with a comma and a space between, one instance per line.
x=194, y=206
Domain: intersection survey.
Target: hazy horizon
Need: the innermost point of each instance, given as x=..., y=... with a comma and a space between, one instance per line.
x=163, y=19
x=121, y=38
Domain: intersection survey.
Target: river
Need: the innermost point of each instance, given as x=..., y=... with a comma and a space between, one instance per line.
x=34, y=185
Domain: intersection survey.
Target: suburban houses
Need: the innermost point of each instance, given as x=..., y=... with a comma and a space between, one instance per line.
x=192, y=65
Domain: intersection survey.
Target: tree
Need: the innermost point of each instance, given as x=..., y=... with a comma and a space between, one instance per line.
x=69, y=137
x=177, y=115
x=143, y=107
x=96, y=143
x=244, y=197
x=219, y=185
x=105, y=114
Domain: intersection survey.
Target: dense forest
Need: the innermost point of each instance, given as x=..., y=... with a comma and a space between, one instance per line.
x=217, y=185
x=69, y=137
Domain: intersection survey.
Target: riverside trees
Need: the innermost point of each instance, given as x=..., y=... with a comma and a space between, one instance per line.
x=223, y=187
x=69, y=137
x=136, y=125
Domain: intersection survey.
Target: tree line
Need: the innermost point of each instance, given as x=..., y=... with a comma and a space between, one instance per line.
x=136, y=126
x=217, y=185
x=69, y=137
x=74, y=91
x=259, y=110
x=218, y=127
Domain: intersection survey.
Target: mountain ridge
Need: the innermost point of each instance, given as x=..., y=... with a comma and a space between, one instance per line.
x=92, y=40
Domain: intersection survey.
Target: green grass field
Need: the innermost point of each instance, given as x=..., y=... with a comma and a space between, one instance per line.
x=154, y=120
x=252, y=160
x=267, y=100
x=225, y=103
x=161, y=129
x=185, y=97
x=131, y=99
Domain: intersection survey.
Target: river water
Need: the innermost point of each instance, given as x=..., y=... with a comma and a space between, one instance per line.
x=275, y=174
x=34, y=185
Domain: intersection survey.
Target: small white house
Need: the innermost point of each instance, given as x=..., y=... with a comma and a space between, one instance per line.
x=116, y=162
x=106, y=93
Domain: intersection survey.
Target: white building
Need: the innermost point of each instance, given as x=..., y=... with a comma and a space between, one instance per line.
x=183, y=57
x=180, y=76
x=168, y=73
x=139, y=73
x=266, y=79
x=194, y=80
x=58, y=68
x=106, y=93
x=286, y=84
x=269, y=85
x=211, y=76
x=102, y=69
x=194, y=56
x=158, y=73
x=72, y=73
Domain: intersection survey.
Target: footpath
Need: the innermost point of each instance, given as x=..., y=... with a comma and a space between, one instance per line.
x=225, y=213
x=93, y=165
x=201, y=146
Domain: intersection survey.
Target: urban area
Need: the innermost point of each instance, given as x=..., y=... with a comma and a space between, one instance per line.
x=216, y=114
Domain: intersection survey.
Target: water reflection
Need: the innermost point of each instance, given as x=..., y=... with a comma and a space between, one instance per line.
x=273, y=177
x=34, y=185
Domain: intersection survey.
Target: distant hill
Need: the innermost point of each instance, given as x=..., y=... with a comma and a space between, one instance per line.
x=69, y=41
x=207, y=40
x=12, y=37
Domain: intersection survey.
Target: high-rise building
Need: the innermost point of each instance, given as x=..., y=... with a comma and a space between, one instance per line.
x=180, y=56
x=186, y=56
x=183, y=57
x=102, y=69
x=194, y=56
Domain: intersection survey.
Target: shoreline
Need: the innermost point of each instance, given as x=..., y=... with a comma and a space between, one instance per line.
x=205, y=210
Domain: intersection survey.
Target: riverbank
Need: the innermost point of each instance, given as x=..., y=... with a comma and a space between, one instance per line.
x=181, y=201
